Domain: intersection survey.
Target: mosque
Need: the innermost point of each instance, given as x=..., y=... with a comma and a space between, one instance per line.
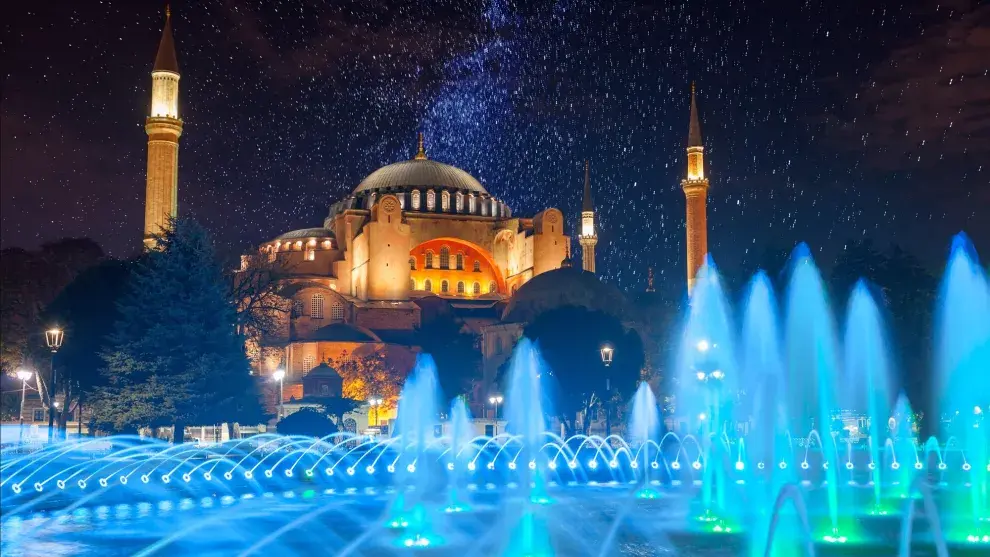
x=413, y=239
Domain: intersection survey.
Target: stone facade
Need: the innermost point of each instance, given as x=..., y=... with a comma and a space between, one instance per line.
x=410, y=232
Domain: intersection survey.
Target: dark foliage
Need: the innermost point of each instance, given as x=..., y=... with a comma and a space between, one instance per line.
x=176, y=357
x=570, y=339
x=307, y=421
x=455, y=350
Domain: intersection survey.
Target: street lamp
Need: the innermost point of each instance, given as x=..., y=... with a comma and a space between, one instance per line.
x=24, y=375
x=495, y=400
x=279, y=375
x=607, y=352
x=54, y=338
x=375, y=402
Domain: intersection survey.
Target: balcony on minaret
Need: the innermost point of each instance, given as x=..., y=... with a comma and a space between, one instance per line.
x=587, y=224
x=696, y=164
x=164, y=95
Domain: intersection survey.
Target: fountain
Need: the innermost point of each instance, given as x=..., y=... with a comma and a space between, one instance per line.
x=775, y=460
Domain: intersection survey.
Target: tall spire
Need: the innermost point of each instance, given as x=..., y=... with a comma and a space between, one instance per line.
x=166, y=60
x=588, y=205
x=588, y=237
x=694, y=133
x=421, y=149
x=695, y=187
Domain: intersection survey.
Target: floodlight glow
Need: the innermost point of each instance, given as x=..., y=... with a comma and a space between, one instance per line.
x=739, y=465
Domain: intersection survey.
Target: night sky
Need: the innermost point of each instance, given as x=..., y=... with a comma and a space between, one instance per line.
x=823, y=121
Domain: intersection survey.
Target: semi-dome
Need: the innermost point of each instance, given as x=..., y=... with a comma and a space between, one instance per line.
x=306, y=233
x=420, y=173
x=567, y=286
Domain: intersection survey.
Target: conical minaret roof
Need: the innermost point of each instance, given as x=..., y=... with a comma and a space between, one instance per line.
x=588, y=204
x=166, y=60
x=694, y=132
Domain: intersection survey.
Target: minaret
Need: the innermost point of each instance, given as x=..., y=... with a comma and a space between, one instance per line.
x=695, y=187
x=164, y=128
x=588, y=238
x=649, y=280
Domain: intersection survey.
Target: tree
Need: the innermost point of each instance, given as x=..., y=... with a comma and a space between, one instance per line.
x=570, y=339
x=370, y=375
x=29, y=281
x=335, y=407
x=455, y=351
x=307, y=421
x=87, y=310
x=176, y=357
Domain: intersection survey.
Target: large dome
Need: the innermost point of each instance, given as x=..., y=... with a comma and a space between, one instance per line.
x=420, y=173
x=566, y=286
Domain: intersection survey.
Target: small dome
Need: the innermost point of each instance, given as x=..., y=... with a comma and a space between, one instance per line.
x=306, y=233
x=323, y=370
x=567, y=286
x=420, y=173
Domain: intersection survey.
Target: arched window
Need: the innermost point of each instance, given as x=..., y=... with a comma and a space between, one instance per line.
x=444, y=257
x=477, y=265
x=445, y=201
x=460, y=261
x=415, y=199
x=309, y=362
x=337, y=311
x=412, y=263
x=429, y=259
x=460, y=287
x=471, y=203
x=477, y=288
x=444, y=287
x=412, y=284
x=460, y=202
x=431, y=200
x=316, y=306
x=428, y=285
x=492, y=287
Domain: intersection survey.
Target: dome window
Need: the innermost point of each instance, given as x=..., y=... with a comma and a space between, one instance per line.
x=429, y=259
x=460, y=261
x=316, y=306
x=477, y=266
x=445, y=257
x=445, y=201
x=459, y=200
x=471, y=203
x=431, y=200
x=415, y=200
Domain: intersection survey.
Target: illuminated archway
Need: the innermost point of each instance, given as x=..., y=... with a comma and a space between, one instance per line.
x=487, y=269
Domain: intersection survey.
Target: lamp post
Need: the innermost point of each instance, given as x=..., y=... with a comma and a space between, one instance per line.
x=495, y=400
x=279, y=376
x=23, y=375
x=607, y=352
x=375, y=402
x=54, y=338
